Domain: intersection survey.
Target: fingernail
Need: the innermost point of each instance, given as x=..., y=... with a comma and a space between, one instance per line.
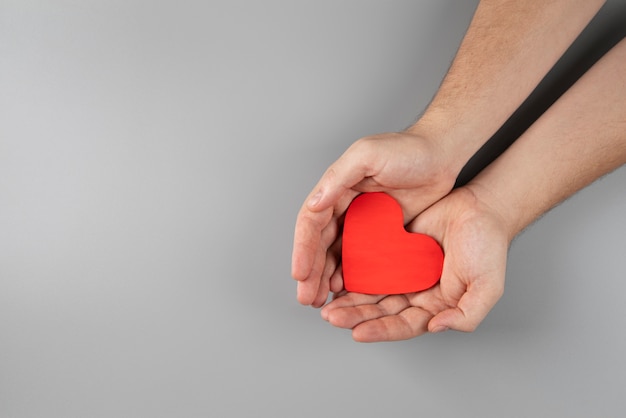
x=324, y=314
x=440, y=329
x=315, y=199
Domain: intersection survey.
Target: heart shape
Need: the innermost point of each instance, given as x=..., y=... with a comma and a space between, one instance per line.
x=379, y=256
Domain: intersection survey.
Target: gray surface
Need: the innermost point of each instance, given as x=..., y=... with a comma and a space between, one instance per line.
x=153, y=156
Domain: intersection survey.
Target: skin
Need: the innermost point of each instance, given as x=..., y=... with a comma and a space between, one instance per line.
x=418, y=166
x=579, y=139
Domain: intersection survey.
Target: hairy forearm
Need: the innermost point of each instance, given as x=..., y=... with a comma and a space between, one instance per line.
x=580, y=138
x=508, y=48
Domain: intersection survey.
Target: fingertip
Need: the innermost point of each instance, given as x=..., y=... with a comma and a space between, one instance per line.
x=332, y=311
x=337, y=318
x=436, y=325
x=303, y=295
x=320, y=299
x=315, y=200
x=327, y=191
x=439, y=328
x=301, y=262
x=366, y=334
x=452, y=319
x=297, y=272
x=324, y=313
x=471, y=310
x=336, y=281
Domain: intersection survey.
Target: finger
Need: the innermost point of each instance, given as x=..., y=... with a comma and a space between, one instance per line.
x=336, y=280
x=472, y=308
x=358, y=162
x=349, y=300
x=322, y=294
x=351, y=316
x=332, y=261
x=324, y=284
x=409, y=323
x=307, y=241
x=308, y=288
x=315, y=230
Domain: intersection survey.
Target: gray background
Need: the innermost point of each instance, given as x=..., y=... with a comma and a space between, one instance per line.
x=153, y=156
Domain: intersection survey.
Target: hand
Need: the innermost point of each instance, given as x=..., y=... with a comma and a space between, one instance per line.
x=475, y=241
x=409, y=166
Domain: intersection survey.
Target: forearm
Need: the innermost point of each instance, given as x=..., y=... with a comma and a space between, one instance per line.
x=580, y=138
x=508, y=48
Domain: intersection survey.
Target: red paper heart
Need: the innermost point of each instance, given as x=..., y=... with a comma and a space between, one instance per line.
x=379, y=256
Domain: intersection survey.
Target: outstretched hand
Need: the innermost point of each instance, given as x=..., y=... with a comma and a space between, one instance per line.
x=409, y=167
x=475, y=241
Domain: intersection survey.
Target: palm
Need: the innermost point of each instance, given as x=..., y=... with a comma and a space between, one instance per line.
x=399, y=164
x=472, y=280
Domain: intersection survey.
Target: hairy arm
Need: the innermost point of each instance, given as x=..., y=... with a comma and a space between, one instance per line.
x=580, y=138
x=508, y=48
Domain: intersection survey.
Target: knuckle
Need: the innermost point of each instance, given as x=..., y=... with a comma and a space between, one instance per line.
x=331, y=174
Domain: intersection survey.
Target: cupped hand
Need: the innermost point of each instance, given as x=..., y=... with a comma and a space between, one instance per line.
x=475, y=241
x=408, y=166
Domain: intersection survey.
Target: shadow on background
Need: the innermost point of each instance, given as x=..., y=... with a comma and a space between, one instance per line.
x=606, y=29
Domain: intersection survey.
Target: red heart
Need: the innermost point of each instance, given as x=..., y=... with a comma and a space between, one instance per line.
x=379, y=256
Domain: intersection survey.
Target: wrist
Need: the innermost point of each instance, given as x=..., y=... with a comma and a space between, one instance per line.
x=436, y=133
x=488, y=199
x=455, y=140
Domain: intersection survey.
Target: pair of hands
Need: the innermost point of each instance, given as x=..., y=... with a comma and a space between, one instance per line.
x=415, y=171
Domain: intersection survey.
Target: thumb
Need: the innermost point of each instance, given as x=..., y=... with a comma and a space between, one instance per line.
x=472, y=308
x=358, y=162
